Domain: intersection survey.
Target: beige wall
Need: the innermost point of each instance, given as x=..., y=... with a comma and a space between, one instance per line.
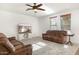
x=9, y=21
x=45, y=23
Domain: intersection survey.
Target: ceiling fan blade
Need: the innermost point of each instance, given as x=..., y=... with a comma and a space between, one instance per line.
x=39, y=5
x=29, y=9
x=34, y=4
x=28, y=5
x=40, y=9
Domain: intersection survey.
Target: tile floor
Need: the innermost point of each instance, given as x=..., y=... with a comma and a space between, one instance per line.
x=43, y=47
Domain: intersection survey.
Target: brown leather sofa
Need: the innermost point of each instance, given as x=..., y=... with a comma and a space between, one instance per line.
x=11, y=46
x=55, y=36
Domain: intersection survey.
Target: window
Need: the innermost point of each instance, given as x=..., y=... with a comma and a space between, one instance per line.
x=65, y=22
x=53, y=23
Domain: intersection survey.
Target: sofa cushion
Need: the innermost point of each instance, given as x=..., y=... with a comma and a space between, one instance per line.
x=2, y=35
x=7, y=44
x=16, y=44
x=12, y=38
x=4, y=41
x=3, y=50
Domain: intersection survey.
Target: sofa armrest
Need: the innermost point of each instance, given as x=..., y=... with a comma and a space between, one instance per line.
x=44, y=34
x=29, y=49
x=12, y=38
x=25, y=50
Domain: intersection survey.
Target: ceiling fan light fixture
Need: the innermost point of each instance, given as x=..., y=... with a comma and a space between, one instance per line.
x=35, y=11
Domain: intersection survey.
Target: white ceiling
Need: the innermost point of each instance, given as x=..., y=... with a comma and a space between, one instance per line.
x=49, y=7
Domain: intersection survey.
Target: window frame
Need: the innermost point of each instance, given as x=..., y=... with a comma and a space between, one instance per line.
x=51, y=22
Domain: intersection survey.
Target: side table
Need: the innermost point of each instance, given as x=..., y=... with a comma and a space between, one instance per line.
x=69, y=42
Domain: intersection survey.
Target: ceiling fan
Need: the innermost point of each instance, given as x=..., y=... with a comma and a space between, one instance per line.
x=35, y=7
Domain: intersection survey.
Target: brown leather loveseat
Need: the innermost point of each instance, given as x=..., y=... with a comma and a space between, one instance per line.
x=11, y=46
x=57, y=36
